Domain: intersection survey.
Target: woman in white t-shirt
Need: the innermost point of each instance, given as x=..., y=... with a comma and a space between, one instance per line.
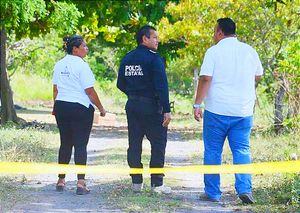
x=75, y=98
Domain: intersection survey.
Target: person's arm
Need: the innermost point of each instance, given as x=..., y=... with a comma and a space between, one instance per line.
x=206, y=73
x=87, y=80
x=93, y=96
x=55, y=91
x=121, y=82
x=203, y=86
x=259, y=69
x=161, y=88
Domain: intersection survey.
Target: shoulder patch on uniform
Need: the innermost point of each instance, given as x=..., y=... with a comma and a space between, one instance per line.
x=152, y=51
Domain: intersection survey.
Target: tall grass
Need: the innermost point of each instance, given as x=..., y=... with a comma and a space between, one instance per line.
x=27, y=145
x=32, y=87
x=23, y=145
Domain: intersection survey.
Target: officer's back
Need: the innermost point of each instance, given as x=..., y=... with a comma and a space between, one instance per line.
x=137, y=72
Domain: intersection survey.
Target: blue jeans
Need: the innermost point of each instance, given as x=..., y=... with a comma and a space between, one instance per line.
x=215, y=130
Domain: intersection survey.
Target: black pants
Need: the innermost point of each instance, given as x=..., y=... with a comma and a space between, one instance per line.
x=145, y=118
x=74, y=122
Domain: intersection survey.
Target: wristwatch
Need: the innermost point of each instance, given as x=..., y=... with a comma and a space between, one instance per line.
x=196, y=106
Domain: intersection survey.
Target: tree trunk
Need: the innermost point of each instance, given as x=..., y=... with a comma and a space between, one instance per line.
x=278, y=114
x=8, y=112
x=294, y=104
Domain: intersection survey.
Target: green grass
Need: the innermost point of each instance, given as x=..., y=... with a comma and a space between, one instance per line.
x=26, y=88
x=118, y=156
x=111, y=97
x=36, y=88
x=119, y=195
x=182, y=105
x=277, y=193
x=23, y=145
x=27, y=145
x=9, y=194
x=270, y=147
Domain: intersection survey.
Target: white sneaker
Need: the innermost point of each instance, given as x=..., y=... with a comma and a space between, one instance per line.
x=137, y=187
x=162, y=189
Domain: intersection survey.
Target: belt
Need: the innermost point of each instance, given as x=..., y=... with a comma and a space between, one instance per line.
x=141, y=98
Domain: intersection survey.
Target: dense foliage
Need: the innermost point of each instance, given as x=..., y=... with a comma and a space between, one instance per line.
x=185, y=28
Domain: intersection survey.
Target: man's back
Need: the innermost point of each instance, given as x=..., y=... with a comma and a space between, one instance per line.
x=136, y=72
x=233, y=66
x=142, y=73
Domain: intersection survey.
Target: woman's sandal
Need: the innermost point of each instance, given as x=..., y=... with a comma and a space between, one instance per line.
x=60, y=185
x=82, y=188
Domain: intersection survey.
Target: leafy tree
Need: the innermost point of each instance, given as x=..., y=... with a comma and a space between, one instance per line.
x=268, y=26
x=109, y=29
x=287, y=74
x=114, y=23
x=29, y=18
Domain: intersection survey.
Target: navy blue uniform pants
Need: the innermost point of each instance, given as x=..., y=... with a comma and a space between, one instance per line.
x=74, y=122
x=144, y=118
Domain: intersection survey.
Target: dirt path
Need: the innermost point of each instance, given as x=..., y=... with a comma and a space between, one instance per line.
x=40, y=195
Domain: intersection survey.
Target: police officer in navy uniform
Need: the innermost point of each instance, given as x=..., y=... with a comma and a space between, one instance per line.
x=143, y=79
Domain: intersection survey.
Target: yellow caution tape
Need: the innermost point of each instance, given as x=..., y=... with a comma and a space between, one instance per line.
x=44, y=168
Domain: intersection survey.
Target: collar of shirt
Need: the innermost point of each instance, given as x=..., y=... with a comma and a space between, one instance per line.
x=228, y=39
x=73, y=56
x=141, y=46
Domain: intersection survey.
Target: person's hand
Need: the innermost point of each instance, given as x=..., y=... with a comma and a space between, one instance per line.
x=102, y=112
x=198, y=114
x=167, y=119
x=53, y=111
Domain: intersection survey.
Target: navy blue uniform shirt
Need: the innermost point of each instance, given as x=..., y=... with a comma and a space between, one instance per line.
x=142, y=73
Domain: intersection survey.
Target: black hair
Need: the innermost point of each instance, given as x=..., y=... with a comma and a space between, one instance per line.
x=144, y=31
x=72, y=41
x=227, y=26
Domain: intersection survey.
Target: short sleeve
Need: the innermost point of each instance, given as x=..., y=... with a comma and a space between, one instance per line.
x=207, y=67
x=87, y=78
x=54, y=79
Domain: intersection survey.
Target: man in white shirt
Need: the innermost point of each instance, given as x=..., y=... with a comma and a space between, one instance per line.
x=227, y=87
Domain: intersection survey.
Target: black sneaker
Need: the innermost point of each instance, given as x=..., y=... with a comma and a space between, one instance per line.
x=247, y=198
x=205, y=197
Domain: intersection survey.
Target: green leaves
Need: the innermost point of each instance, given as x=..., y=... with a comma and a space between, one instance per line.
x=64, y=17
x=33, y=17
x=258, y=24
x=14, y=14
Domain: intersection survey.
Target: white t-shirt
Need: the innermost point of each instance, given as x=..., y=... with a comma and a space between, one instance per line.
x=233, y=66
x=72, y=75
